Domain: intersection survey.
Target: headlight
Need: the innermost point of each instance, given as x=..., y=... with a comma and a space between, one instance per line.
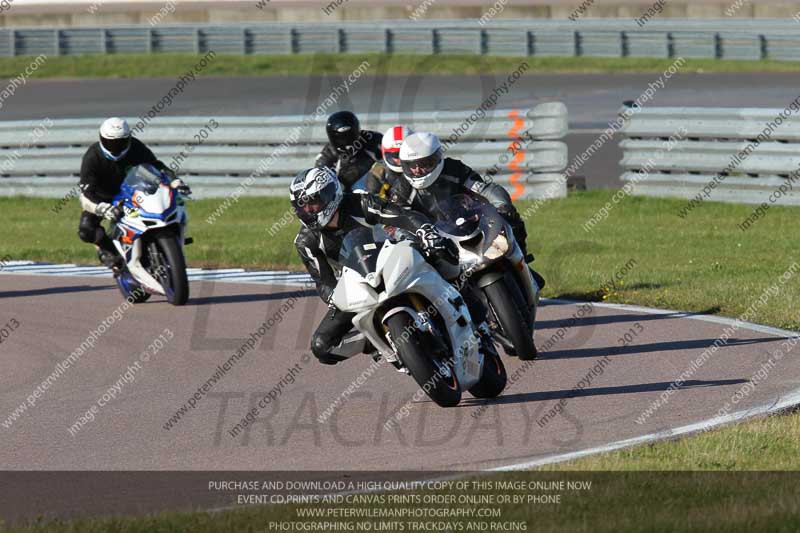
x=468, y=259
x=498, y=248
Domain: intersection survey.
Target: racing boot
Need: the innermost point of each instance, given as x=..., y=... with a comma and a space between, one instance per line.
x=111, y=260
x=521, y=236
x=487, y=340
x=537, y=278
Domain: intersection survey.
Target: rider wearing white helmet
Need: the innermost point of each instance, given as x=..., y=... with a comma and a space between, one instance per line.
x=432, y=176
x=104, y=167
x=327, y=214
x=391, y=184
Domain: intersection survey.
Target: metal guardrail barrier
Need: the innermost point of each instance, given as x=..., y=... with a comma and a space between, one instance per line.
x=721, y=39
x=519, y=144
x=713, y=141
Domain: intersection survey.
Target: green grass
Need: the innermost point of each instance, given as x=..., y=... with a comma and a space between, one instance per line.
x=763, y=444
x=173, y=65
x=703, y=263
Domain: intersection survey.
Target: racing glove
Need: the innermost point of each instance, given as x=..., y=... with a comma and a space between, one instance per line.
x=436, y=246
x=180, y=186
x=108, y=211
x=429, y=238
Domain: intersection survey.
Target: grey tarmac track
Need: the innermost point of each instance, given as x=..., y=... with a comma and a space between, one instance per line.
x=56, y=313
x=592, y=99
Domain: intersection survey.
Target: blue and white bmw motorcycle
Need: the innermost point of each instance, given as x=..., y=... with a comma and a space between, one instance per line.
x=150, y=237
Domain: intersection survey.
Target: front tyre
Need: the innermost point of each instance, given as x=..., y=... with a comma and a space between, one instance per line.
x=508, y=303
x=493, y=378
x=171, y=269
x=437, y=384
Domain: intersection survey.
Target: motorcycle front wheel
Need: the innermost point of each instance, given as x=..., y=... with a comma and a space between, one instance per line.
x=439, y=384
x=169, y=266
x=507, y=304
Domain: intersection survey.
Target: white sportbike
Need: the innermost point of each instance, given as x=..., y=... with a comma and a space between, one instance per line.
x=414, y=318
x=150, y=237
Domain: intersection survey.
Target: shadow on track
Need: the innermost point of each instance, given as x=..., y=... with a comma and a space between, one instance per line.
x=243, y=298
x=53, y=290
x=614, y=319
x=652, y=347
x=605, y=319
x=542, y=396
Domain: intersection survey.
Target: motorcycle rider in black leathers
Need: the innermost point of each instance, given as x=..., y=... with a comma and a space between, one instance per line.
x=430, y=176
x=327, y=214
x=104, y=168
x=351, y=151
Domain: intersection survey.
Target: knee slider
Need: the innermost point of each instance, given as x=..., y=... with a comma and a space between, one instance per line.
x=319, y=347
x=90, y=233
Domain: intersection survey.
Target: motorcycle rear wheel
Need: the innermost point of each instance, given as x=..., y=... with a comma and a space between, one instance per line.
x=493, y=378
x=130, y=288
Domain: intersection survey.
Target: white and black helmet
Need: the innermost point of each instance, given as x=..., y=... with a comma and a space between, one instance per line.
x=390, y=146
x=422, y=159
x=315, y=194
x=115, y=138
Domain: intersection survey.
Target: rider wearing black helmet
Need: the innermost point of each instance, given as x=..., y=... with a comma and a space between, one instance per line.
x=350, y=151
x=104, y=168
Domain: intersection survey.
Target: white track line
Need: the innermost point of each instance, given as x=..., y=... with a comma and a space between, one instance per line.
x=295, y=278
x=774, y=406
x=224, y=275
x=789, y=401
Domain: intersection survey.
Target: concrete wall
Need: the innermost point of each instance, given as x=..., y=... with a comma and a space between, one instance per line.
x=106, y=12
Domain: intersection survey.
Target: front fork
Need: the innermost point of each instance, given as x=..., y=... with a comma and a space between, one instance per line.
x=523, y=275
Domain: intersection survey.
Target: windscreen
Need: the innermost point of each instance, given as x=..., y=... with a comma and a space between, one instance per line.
x=360, y=249
x=143, y=178
x=458, y=216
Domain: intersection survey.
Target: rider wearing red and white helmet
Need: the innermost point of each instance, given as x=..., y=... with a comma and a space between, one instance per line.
x=390, y=184
x=433, y=176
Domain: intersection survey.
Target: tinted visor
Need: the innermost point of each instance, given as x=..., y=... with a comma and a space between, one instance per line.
x=344, y=140
x=418, y=168
x=308, y=207
x=116, y=146
x=392, y=158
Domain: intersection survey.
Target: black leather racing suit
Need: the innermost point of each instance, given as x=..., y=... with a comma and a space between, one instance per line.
x=101, y=179
x=350, y=167
x=319, y=251
x=454, y=179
